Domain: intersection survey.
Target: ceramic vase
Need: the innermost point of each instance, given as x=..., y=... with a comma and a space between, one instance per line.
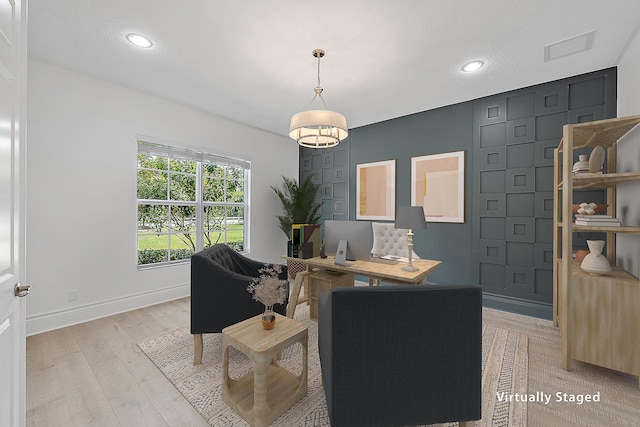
x=595, y=263
x=268, y=318
x=582, y=165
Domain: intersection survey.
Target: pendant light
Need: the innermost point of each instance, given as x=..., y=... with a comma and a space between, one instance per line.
x=318, y=128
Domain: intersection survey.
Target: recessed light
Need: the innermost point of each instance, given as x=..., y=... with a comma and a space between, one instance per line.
x=472, y=66
x=139, y=40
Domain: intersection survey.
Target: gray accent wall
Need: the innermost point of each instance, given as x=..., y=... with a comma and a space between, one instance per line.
x=515, y=135
x=329, y=169
x=436, y=131
x=505, y=243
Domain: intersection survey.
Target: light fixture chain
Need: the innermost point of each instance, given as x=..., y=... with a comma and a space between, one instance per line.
x=318, y=70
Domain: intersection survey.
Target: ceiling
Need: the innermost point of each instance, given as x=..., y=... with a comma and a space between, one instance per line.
x=251, y=61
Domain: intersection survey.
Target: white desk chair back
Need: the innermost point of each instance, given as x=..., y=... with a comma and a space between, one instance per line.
x=389, y=241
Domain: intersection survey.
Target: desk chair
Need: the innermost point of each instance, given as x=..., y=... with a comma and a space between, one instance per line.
x=388, y=240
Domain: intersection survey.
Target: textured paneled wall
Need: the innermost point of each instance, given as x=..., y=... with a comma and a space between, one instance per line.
x=505, y=243
x=514, y=138
x=329, y=168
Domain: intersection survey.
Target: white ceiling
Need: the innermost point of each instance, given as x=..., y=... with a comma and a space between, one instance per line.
x=250, y=60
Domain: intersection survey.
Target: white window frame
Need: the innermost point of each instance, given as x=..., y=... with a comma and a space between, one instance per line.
x=151, y=146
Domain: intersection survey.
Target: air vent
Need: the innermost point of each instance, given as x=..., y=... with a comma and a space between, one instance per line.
x=569, y=46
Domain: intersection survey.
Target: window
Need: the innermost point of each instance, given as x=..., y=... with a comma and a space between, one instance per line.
x=188, y=201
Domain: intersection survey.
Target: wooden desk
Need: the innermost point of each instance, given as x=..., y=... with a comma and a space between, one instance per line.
x=321, y=282
x=389, y=272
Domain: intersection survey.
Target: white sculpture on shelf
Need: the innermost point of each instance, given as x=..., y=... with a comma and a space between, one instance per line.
x=595, y=263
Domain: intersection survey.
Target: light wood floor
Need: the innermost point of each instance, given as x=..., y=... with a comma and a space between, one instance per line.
x=94, y=374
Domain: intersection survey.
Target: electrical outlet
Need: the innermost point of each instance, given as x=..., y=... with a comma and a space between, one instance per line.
x=73, y=295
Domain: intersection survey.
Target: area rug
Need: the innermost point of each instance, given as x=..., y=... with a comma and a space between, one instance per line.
x=504, y=376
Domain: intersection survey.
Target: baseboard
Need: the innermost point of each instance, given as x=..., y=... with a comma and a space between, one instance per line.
x=514, y=305
x=62, y=318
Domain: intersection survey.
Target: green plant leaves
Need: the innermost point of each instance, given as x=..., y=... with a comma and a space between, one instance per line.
x=298, y=205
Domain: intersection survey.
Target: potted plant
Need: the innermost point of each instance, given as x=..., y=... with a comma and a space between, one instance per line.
x=298, y=206
x=269, y=289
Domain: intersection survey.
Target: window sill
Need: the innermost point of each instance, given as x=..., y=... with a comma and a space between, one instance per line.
x=162, y=264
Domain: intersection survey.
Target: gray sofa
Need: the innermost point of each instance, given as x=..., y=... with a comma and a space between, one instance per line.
x=401, y=355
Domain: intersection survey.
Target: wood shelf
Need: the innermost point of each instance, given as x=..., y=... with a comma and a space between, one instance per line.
x=620, y=229
x=599, y=316
x=601, y=180
x=617, y=273
x=605, y=133
x=584, y=228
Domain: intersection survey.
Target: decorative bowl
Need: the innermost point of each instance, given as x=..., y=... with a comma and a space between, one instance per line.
x=580, y=254
x=600, y=209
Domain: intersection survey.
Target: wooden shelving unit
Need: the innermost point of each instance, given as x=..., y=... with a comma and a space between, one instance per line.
x=598, y=316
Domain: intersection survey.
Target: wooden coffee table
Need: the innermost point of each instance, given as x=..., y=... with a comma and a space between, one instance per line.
x=263, y=395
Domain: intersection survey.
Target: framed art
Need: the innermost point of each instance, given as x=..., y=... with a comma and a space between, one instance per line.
x=437, y=184
x=376, y=190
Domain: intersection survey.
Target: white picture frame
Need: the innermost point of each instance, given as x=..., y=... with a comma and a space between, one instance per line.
x=376, y=190
x=437, y=184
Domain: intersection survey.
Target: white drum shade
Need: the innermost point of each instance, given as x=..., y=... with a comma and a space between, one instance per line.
x=318, y=128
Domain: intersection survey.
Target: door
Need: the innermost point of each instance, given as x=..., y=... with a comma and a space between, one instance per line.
x=12, y=161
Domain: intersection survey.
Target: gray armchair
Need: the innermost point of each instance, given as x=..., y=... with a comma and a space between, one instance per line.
x=219, y=296
x=401, y=355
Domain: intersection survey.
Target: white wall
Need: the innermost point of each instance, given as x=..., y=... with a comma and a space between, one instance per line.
x=81, y=192
x=628, y=205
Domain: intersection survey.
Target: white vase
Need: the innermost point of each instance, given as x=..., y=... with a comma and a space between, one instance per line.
x=595, y=263
x=582, y=165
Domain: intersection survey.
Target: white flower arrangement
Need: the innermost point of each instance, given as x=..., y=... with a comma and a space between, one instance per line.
x=269, y=289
